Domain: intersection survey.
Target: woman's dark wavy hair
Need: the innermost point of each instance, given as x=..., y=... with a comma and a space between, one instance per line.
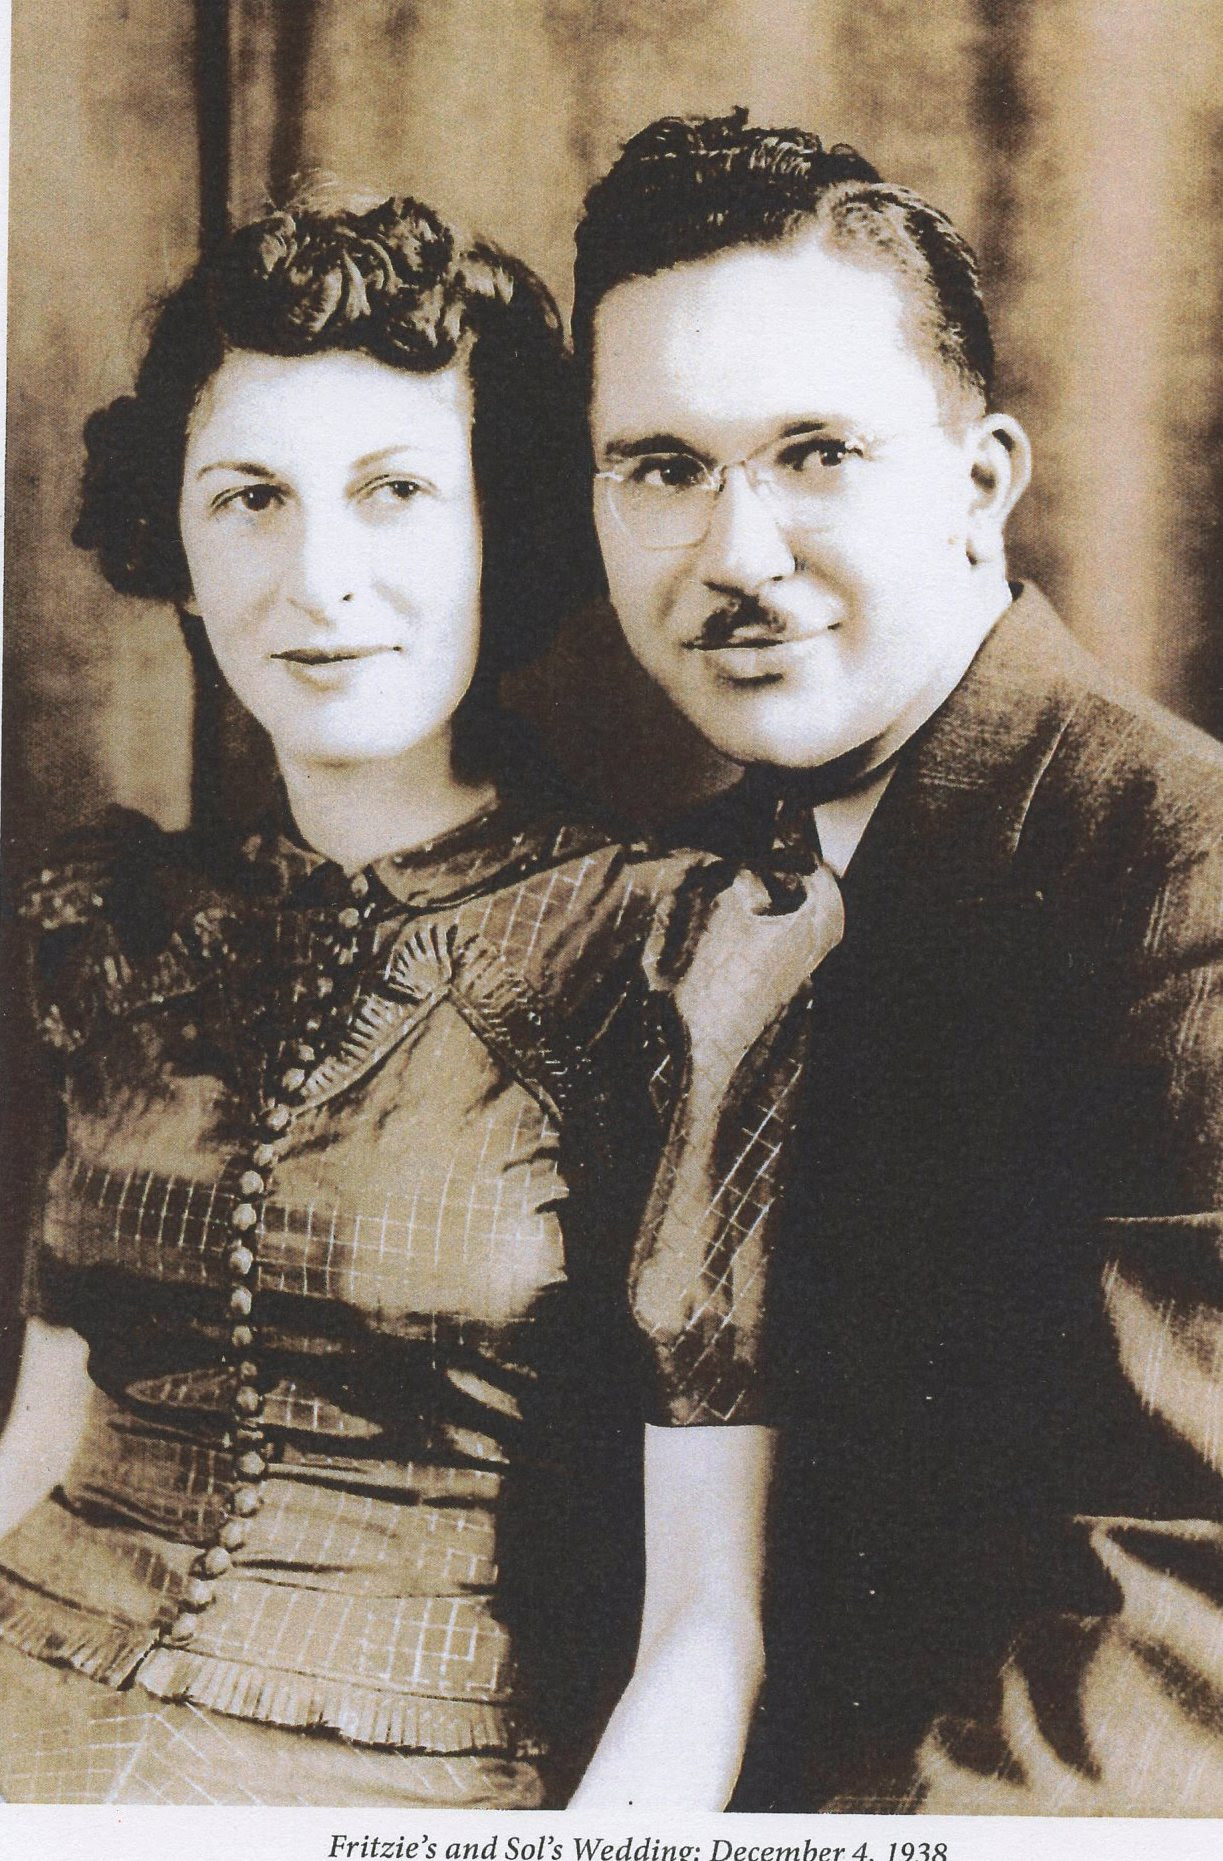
x=684, y=188
x=397, y=283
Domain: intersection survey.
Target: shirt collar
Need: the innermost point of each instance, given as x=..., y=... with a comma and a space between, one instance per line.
x=842, y=820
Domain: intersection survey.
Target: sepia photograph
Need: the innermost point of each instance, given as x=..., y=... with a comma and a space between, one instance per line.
x=612, y=934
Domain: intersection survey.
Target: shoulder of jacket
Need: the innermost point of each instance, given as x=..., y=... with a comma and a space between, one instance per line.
x=1142, y=779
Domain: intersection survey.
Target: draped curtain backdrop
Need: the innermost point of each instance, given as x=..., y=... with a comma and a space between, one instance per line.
x=1076, y=142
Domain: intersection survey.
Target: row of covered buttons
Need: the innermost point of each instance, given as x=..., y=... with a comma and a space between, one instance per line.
x=246, y=1436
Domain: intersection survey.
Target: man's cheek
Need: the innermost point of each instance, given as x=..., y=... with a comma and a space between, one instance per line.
x=643, y=606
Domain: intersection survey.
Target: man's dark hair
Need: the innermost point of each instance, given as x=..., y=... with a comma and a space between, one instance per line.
x=397, y=283
x=685, y=188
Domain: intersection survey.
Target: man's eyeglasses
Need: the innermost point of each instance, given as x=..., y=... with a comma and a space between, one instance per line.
x=665, y=500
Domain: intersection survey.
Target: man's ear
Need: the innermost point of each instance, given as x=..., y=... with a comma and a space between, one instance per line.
x=1001, y=466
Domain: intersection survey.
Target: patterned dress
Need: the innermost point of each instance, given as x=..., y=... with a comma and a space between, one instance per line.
x=354, y=1210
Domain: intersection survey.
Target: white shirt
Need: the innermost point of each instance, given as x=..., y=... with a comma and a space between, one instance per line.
x=842, y=822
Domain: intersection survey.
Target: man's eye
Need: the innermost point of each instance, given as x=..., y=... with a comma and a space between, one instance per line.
x=253, y=498
x=671, y=471
x=810, y=456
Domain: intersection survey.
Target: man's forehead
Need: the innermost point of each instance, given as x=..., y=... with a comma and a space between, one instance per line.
x=757, y=333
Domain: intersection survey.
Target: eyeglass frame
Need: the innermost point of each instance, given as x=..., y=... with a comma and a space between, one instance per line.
x=714, y=479
x=715, y=476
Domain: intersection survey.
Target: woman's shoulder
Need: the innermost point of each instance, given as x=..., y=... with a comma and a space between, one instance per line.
x=80, y=876
x=620, y=853
x=581, y=898
x=570, y=840
x=121, y=870
x=558, y=828
x=649, y=860
x=119, y=913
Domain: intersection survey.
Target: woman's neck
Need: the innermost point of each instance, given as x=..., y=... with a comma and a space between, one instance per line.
x=357, y=812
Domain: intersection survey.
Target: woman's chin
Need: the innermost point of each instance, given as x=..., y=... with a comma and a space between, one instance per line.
x=352, y=748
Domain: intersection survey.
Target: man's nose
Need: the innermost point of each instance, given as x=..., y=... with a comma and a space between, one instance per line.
x=324, y=564
x=745, y=546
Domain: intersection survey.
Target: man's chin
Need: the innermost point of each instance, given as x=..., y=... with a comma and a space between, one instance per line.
x=785, y=742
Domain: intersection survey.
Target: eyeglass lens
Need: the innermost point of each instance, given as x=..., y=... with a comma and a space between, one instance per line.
x=669, y=504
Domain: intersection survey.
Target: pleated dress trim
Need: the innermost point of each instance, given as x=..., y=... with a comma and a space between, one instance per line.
x=71, y=1635
x=122, y=1654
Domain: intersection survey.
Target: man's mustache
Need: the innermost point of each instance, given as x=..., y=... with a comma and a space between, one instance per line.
x=744, y=613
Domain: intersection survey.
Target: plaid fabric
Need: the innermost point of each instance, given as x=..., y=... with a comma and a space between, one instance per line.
x=412, y=1116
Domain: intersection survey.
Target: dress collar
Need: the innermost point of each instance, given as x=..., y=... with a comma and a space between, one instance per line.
x=536, y=813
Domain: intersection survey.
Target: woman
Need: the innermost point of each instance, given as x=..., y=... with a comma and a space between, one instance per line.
x=345, y=1299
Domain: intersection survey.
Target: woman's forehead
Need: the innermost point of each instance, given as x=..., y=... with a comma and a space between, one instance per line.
x=341, y=400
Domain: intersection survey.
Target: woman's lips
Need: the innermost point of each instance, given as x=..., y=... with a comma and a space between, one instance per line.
x=329, y=655
x=329, y=668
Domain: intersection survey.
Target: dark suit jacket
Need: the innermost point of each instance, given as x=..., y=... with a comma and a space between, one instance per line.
x=999, y=1550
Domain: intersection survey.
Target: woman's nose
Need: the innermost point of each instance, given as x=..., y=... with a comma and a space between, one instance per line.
x=745, y=546
x=324, y=565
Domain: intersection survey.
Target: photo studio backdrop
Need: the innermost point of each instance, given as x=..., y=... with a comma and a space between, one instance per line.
x=1076, y=142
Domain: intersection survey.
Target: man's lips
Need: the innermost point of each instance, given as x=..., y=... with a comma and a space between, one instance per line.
x=754, y=653
x=745, y=623
x=754, y=639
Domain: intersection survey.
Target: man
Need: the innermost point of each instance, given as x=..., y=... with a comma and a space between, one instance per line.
x=999, y=1559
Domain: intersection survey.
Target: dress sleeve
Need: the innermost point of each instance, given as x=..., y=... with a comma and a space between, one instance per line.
x=731, y=971
x=33, y=1140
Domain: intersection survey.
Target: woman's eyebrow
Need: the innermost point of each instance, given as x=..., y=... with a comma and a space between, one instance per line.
x=245, y=466
x=396, y=451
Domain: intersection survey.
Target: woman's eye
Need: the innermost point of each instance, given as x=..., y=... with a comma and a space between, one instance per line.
x=253, y=498
x=396, y=490
x=672, y=471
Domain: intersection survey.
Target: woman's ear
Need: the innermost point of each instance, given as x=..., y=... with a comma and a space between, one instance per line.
x=1001, y=468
